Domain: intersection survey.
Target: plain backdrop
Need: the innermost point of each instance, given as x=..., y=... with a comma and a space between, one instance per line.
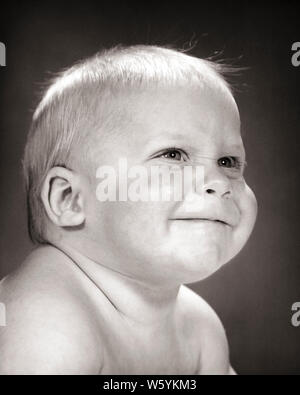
x=254, y=293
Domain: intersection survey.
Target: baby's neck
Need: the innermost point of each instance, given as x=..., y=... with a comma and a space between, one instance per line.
x=140, y=303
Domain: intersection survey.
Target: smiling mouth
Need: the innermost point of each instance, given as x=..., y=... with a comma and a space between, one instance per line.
x=200, y=220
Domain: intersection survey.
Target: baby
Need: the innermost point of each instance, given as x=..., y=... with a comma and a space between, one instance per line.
x=103, y=291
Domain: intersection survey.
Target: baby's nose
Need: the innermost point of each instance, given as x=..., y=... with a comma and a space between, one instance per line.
x=218, y=188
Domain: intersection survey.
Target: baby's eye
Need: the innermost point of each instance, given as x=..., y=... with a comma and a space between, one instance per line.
x=230, y=162
x=173, y=154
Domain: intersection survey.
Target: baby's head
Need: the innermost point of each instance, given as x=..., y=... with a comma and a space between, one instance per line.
x=152, y=107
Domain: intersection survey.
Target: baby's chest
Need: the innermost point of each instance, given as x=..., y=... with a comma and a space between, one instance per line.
x=124, y=359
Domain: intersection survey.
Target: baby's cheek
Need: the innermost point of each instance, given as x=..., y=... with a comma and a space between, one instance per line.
x=245, y=199
x=247, y=205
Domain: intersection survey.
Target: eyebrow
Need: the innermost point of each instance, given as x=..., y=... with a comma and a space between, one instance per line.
x=236, y=147
x=180, y=136
x=168, y=137
x=167, y=134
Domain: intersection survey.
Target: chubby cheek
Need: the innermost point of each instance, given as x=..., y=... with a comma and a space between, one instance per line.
x=130, y=224
x=247, y=205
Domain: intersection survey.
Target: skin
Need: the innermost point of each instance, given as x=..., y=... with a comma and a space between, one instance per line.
x=107, y=295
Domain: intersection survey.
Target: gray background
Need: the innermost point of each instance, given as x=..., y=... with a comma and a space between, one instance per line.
x=253, y=294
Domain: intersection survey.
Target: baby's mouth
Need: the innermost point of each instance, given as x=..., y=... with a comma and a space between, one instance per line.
x=213, y=215
x=211, y=220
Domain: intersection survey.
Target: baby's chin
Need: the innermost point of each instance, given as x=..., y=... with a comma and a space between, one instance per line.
x=192, y=263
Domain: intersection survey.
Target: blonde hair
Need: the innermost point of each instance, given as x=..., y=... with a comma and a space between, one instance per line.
x=68, y=107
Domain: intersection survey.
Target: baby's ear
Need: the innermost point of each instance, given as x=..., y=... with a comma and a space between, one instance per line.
x=62, y=196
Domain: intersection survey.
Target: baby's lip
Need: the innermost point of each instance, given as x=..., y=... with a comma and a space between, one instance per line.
x=185, y=218
x=226, y=217
x=207, y=210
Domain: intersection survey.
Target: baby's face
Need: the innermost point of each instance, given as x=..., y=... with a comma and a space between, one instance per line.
x=174, y=241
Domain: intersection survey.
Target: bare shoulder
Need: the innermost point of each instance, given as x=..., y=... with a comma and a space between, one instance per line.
x=48, y=328
x=208, y=334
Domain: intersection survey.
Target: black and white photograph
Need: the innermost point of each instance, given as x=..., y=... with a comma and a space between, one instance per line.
x=149, y=190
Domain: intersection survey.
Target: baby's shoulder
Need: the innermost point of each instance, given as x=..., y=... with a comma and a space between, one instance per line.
x=48, y=327
x=208, y=335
